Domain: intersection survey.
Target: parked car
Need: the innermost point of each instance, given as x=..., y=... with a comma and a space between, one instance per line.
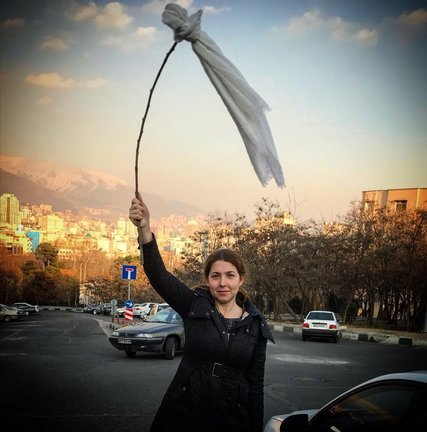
x=106, y=309
x=141, y=310
x=161, y=333
x=321, y=324
x=394, y=402
x=93, y=309
x=26, y=308
x=8, y=313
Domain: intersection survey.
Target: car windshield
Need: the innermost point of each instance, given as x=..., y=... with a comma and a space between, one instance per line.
x=320, y=316
x=165, y=316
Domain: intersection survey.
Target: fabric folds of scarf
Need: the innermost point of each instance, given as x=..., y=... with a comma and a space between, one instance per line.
x=245, y=106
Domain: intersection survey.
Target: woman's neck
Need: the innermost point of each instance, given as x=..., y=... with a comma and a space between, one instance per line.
x=229, y=310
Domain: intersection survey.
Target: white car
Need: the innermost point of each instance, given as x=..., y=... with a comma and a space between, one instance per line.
x=8, y=313
x=321, y=324
x=394, y=402
x=140, y=310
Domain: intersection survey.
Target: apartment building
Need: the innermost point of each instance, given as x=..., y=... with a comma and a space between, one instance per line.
x=408, y=199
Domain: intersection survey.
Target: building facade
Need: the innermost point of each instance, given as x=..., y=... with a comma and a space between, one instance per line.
x=395, y=199
x=9, y=210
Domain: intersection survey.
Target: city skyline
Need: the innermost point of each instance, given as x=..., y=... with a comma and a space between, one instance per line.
x=345, y=82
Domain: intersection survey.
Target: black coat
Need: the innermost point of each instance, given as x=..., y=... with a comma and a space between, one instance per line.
x=204, y=396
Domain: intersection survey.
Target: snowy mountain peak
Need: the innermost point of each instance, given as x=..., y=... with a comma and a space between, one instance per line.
x=58, y=177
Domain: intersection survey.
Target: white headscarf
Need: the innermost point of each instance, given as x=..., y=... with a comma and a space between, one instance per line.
x=245, y=106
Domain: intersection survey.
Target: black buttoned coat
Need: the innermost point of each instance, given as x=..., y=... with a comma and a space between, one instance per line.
x=196, y=400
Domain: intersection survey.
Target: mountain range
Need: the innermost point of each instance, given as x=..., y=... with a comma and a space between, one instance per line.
x=78, y=190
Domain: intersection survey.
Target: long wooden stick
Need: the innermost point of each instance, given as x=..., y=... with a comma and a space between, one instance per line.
x=138, y=143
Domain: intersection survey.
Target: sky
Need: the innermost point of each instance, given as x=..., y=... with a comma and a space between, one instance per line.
x=345, y=81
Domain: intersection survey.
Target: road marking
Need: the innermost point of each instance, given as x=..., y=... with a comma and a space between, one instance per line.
x=308, y=360
x=12, y=354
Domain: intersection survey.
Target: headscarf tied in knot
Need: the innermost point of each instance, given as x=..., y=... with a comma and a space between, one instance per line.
x=245, y=106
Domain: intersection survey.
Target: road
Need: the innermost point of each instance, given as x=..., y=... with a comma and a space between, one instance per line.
x=58, y=372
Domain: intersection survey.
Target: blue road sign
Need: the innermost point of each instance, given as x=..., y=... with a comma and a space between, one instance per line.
x=129, y=304
x=129, y=272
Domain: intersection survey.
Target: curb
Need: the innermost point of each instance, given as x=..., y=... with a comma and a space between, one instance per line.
x=387, y=339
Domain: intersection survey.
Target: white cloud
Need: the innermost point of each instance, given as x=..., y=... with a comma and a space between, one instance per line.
x=14, y=23
x=131, y=41
x=416, y=18
x=338, y=28
x=55, y=81
x=54, y=44
x=156, y=7
x=84, y=13
x=113, y=15
x=212, y=10
x=311, y=20
x=366, y=36
x=146, y=32
x=96, y=83
x=50, y=80
x=335, y=26
x=44, y=101
x=186, y=4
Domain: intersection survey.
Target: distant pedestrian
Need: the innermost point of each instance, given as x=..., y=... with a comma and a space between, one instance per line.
x=219, y=384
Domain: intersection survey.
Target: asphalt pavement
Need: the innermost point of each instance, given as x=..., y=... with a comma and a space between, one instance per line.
x=362, y=334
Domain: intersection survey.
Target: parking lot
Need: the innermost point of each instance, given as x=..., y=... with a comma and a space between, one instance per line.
x=62, y=373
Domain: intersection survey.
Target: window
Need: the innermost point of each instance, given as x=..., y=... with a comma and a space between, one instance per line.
x=400, y=206
x=388, y=407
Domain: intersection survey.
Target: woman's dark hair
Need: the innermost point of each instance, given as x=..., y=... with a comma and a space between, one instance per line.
x=233, y=258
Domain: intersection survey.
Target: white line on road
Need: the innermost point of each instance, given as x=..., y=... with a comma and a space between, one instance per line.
x=309, y=360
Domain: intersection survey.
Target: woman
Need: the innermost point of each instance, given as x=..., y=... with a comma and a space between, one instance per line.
x=218, y=386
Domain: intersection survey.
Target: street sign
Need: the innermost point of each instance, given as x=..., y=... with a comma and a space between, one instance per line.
x=129, y=304
x=129, y=272
x=113, y=302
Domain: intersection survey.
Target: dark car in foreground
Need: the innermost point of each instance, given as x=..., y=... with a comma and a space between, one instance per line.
x=26, y=308
x=161, y=333
x=393, y=403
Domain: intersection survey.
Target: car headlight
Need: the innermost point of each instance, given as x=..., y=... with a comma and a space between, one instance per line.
x=144, y=335
x=115, y=333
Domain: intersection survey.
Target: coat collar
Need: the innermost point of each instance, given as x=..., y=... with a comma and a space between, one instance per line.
x=250, y=308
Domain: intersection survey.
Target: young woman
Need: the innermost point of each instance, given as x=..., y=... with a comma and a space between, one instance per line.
x=218, y=386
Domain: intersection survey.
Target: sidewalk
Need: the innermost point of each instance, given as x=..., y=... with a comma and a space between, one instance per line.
x=364, y=334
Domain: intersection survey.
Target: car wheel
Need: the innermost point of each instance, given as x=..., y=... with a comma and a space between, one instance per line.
x=336, y=339
x=7, y=318
x=130, y=353
x=170, y=348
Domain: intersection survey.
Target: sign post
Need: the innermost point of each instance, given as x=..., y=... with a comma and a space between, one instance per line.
x=113, y=309
x=129, y=273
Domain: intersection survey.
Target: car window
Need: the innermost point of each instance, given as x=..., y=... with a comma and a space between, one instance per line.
x=166, y=316
x=386, y=407
x=320, y=316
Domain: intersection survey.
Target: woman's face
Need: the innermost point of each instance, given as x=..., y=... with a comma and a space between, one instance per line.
x=224, y=281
